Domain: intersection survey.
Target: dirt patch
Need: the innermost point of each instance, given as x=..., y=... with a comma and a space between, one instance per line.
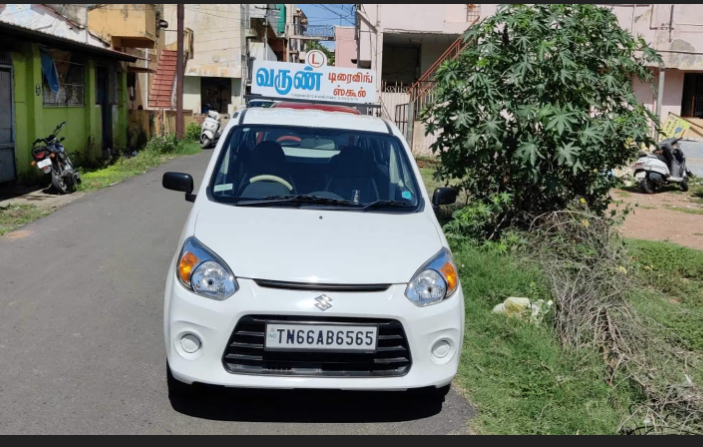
x=666, y=215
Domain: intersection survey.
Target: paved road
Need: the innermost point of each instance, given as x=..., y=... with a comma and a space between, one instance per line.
x=81, y=344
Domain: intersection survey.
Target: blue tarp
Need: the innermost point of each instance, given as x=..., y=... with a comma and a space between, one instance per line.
x=49, y=68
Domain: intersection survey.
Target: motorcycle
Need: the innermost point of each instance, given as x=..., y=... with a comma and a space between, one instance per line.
x=211, y=130
x=51, y=157
x=666, y=165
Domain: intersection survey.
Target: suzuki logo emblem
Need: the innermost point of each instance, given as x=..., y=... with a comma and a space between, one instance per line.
x=323, y=302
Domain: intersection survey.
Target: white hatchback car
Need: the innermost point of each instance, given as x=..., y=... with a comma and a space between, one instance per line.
x=312, y=258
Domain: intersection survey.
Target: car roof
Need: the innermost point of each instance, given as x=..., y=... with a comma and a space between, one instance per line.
x=314, y=118
x=323, y=107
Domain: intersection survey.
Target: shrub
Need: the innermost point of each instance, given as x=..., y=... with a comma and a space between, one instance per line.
x=479, y=220
x=162, y=145
x=540, y=105
x=193, y=132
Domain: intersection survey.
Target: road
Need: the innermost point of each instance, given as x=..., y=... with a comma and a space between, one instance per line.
x=81, y=340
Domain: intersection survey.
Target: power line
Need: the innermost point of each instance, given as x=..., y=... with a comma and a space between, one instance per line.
x=325, y=7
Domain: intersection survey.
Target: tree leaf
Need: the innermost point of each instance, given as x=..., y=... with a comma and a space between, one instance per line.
x=528, y=151
x=567, y=153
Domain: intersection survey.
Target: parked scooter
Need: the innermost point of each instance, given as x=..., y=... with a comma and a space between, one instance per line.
x=50, y=156
x=211, y=130
x=666, y=165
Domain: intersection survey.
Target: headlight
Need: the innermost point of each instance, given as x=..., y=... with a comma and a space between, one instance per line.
x=203, y=272
x=435, y=281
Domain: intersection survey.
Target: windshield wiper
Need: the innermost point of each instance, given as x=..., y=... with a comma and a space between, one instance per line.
x=295, y=200
x=386, y=204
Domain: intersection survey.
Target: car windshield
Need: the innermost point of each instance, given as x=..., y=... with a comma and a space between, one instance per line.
x=319, y=168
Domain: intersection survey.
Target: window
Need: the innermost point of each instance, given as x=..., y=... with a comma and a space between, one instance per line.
x=333, y=168
x=473, y=13
x=65, y=71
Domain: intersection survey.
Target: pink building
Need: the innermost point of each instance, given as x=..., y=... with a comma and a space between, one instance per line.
x=404, y=44
x=345, y=47
x=676, y=31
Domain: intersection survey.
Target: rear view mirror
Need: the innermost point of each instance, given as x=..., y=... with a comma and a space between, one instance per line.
x=444, y=196
x=177, y=181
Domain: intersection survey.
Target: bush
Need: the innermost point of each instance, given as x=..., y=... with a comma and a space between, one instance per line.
x=162, y=145
x=479, y=220
x=540, y=105
x=193, y=132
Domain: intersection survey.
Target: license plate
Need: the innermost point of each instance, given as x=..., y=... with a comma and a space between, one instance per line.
x=306, y=337
x=44, y=164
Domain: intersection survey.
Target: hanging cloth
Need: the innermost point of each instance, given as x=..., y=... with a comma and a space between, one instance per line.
x=49, y=68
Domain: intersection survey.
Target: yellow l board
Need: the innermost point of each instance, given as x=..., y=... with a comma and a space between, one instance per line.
x=675, y=126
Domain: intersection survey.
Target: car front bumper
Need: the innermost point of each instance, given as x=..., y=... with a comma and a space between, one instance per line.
x=214, y=321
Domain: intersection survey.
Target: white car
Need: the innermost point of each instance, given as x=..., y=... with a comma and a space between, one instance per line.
x=312, y=258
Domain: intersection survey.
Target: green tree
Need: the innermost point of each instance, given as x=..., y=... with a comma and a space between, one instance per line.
x=315, y=45
x=540, y=106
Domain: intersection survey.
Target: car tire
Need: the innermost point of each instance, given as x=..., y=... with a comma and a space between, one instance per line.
x=684, y=185
x=176, y=388
x=431, y=393
x=647, y=186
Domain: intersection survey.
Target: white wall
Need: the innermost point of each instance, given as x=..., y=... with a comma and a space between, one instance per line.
x=217, y=42
x=191, y=94
x=259, y=50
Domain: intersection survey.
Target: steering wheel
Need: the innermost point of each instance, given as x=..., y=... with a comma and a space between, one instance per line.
x=271, y=178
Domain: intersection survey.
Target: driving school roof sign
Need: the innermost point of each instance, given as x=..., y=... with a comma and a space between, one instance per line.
x=323, y=83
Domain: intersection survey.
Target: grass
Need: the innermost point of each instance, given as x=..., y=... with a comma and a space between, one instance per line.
x=516, y=373
x=15, y=216
x=674, y=296
x=125, y=168
x=685, y=210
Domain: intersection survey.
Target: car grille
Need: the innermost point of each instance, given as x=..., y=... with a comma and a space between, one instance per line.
x=245, y=352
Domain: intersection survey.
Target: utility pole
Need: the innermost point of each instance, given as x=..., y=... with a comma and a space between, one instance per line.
x=266, y=29
x=179, y=74
x=266, y=33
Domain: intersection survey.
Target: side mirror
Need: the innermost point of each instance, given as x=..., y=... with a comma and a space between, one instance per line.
x=177, y=181
x=444, y=196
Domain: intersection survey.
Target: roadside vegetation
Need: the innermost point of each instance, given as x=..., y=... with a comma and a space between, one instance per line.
x=157, y=151
x=15, y=216
x=523, y=115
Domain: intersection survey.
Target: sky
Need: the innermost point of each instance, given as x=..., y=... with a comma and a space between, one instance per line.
x=328, y=14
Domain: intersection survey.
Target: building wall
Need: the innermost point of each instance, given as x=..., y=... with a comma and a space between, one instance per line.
x=123, y=20
x=434, y=18
x=33, y=120
x=261, y=51
x=429, y=53
x=675, y=30
x=191, y=93
x=344, y=46
x=217, y=39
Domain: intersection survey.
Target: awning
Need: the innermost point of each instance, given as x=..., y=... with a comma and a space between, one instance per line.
x=62, y=42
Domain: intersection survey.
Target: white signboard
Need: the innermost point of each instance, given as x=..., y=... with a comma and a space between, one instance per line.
x=323, y=83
